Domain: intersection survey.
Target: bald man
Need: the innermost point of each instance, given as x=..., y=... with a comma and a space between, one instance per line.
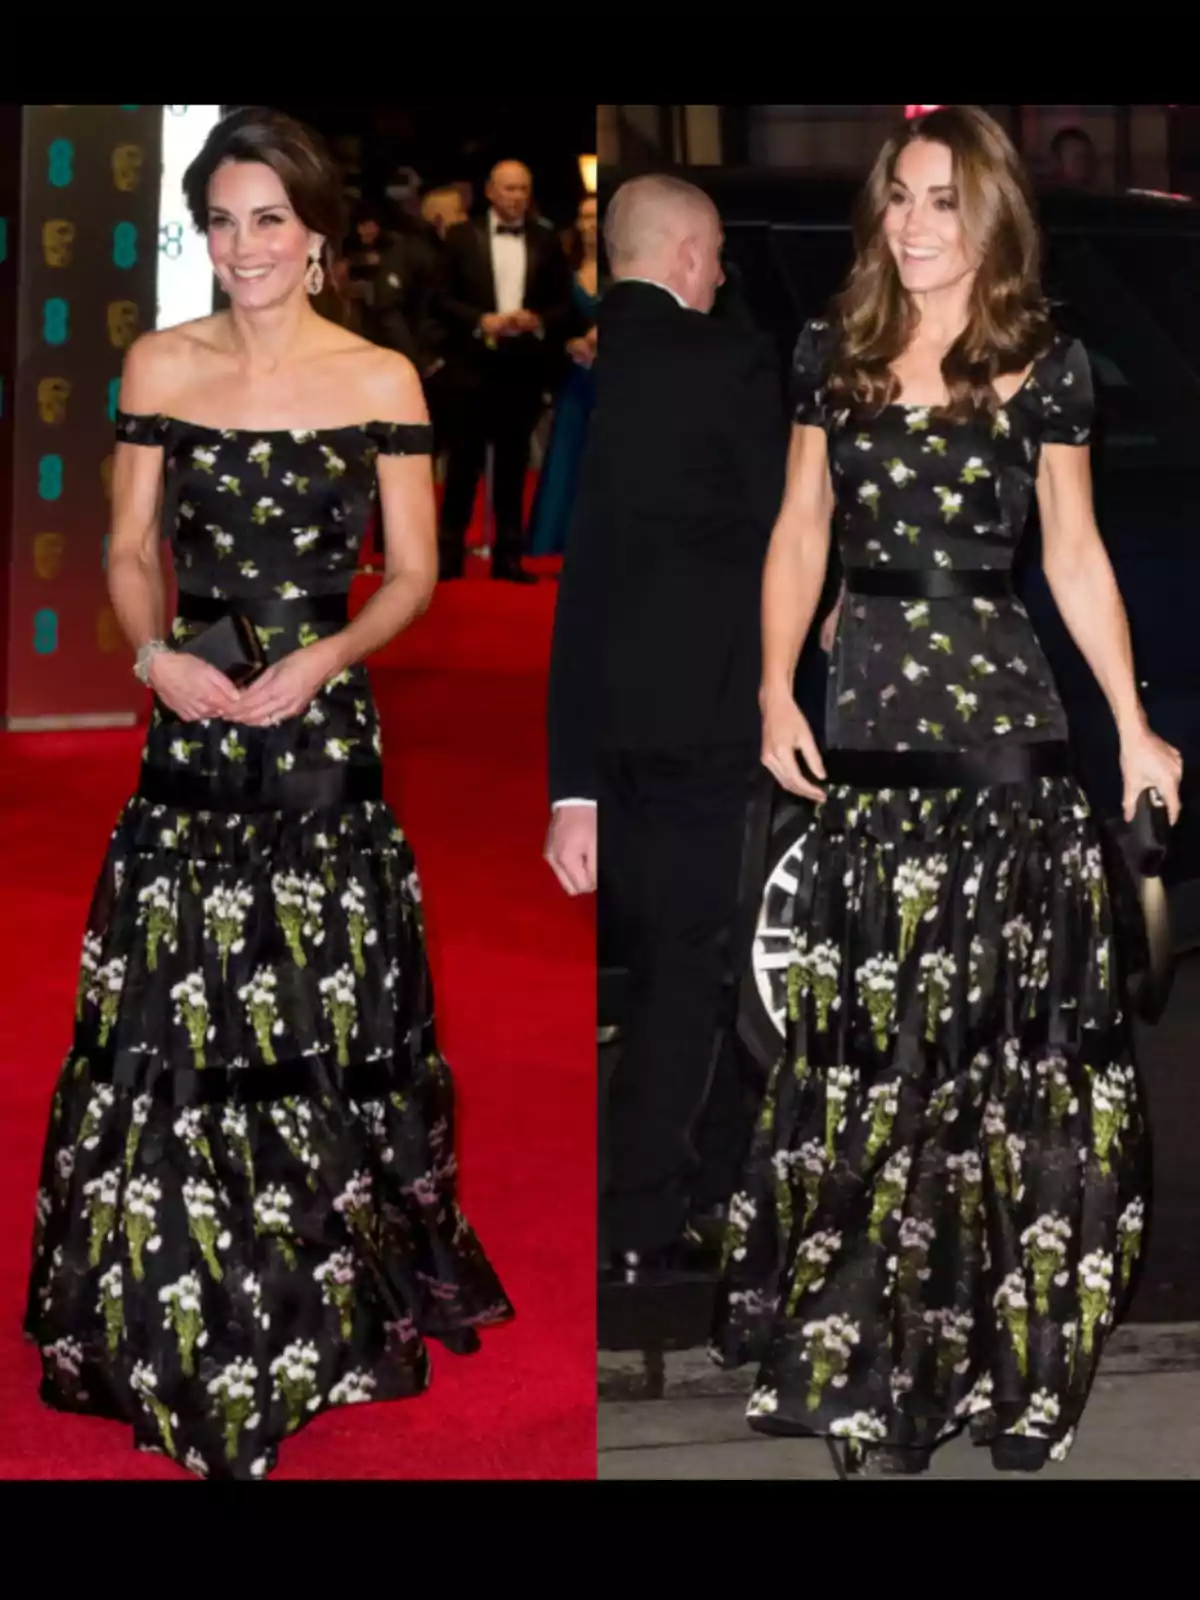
x=507, y=306
x=654, y=723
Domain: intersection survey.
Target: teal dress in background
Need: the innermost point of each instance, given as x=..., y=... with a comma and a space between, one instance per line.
x=555, y=497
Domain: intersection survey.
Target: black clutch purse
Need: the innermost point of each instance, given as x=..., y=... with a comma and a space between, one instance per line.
x=1144, y=843
x=232, y=646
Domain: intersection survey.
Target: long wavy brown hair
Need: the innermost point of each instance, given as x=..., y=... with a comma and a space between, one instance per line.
x=1008, y=325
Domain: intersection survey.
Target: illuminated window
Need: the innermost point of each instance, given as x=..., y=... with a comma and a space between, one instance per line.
x=185, y=275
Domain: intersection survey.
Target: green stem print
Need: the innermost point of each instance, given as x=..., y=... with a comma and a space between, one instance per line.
x=1014, y=1313
x=307, y=635
x=916, y=1241
x=812, y=1262
x=1130, y=1229
x=1095, y=1295
x=1109, y=1113
x=110, y=981
x=142, y=1199
x=293, y=1122
x=823, y=967
x=336, y=1277
x=100, y=1103
x=1045, y=1245
x=234, y=1391
x=235, y=1125
x=200, y=1199
x=89, y=968
x=298, y=908
x=828, y=1346
x=357, y=1205
x=258, y=997
x=191, y=1012
x=295, y=1375
x=890, y=1191
x=950, y=503
x=100, y=1202
x=273, y=1220
x=868, y=495
x=341, y=1007
x=158, y=914
x=813, y=1164
x=883, y=1104
x=966, y=1177
x=840, y=1084
x=112, y=1308
x=877, y=991
x=938, y=968
x=190, y=1129
x=785, y=1211
x=917, y=886
x=1063, y=1102
x=143, y=1382
x=183, y=1317
x=260, y=455
x=995, y=1132
x=138, y=1116
x=354, y=904
x=742, y=1212
x=952, y=1331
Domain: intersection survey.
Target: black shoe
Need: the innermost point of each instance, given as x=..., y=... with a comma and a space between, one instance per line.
x=1018, y=1453
x=512, y=572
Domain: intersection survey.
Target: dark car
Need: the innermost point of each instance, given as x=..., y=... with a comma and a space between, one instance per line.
x=1124, y=274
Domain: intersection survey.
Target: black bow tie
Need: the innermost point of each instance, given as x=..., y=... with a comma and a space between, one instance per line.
x=516, y=229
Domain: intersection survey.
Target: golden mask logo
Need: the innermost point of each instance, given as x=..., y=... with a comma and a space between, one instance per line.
x=106, y=472
x=58, y=242
x=52, y=397
x=122, y=323
x=48, y=554
x=127, y=162
x=108, y=631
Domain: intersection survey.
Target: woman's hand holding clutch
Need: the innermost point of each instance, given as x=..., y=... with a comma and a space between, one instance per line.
x=288, y=688
x=193, y=689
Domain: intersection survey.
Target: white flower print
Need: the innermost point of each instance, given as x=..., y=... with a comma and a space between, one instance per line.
x=868, y=494
x=260, y=455
x=305, y=538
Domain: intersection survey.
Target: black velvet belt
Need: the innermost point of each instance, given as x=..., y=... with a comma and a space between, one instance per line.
x=264, y=613
x=263, y=790
x=929, y=583
x=304, y=1077
x=948, y=769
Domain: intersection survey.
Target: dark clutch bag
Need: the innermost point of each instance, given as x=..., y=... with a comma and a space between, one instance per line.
x=232, y=646
x=1143, y=845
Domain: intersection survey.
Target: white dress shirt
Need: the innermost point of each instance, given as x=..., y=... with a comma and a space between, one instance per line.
x=510, y=259
x=682, y=303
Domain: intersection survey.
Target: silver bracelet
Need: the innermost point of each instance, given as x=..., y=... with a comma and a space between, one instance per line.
x=147, y=653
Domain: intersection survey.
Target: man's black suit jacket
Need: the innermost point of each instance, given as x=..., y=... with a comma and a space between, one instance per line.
x=468, y=292
x=657, y=628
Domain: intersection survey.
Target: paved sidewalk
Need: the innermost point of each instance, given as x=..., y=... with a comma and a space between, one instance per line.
x=682, y=1418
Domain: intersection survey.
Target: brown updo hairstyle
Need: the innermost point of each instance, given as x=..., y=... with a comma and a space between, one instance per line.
x=1008, y=324
x=302, y=163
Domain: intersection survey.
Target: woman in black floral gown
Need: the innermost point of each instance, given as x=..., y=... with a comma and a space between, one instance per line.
x=945, y=1199
x=247, y=1210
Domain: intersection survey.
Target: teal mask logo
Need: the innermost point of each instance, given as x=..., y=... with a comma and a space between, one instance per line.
x=61, y=164
x=56, y=321
x=124, y=246
x=50, y=477
x=45, y=632
x=114, y=395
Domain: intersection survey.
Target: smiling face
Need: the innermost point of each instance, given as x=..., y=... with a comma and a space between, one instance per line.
x=923, y=222
x=258, y=246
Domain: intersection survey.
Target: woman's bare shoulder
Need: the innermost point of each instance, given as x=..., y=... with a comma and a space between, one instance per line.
x=159, y=365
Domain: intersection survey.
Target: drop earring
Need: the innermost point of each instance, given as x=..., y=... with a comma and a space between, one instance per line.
x=314, y=278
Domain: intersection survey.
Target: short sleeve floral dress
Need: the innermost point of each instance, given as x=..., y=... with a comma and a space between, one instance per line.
x=943, y=1207
x=247, y=1211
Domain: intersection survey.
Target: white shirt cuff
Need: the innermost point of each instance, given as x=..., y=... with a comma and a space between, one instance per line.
x=559, y=803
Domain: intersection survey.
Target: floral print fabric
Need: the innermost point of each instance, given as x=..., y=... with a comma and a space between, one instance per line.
x=248, y=1204
x=943, y=1207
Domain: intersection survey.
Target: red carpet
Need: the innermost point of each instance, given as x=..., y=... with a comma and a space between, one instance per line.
x=462, y=704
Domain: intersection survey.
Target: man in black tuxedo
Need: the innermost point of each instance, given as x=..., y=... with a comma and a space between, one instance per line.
x=506, y=301
x=654, y=703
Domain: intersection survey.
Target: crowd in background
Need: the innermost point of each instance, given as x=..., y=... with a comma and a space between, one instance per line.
x=496, y=308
